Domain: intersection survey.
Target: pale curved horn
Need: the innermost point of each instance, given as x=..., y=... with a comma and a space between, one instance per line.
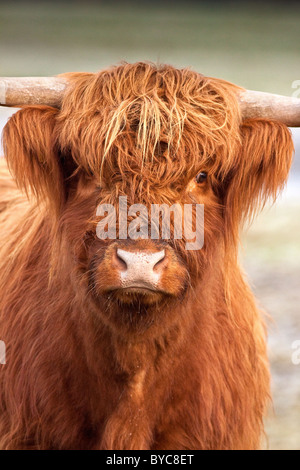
x=17, y=91
x=257, y=104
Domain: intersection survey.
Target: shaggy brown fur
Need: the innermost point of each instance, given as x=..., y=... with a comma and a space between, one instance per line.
x=90, y=369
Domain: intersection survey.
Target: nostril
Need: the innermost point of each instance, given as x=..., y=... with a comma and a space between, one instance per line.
x=161, y=261
x=122, y=265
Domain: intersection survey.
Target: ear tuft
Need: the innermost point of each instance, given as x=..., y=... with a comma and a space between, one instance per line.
x=29, y=146
x=261, y=170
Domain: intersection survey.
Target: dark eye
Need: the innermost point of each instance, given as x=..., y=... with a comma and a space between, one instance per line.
x=201, y=177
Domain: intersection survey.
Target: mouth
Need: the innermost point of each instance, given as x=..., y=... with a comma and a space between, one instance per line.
x=138, y=290
x=137, y=293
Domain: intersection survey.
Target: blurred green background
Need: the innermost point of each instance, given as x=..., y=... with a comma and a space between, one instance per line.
x=256, y=45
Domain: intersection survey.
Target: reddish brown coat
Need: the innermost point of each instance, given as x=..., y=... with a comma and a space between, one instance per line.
x=189, y=372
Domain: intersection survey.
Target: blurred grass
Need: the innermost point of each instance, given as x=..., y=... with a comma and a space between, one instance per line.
x=271, y=254
x=275, y=237
x=254, y=45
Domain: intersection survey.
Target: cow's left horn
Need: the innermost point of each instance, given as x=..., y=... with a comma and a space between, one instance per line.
x=257, y=104
x=16, y=91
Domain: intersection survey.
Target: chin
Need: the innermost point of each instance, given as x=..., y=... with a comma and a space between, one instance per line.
x=136, y=310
